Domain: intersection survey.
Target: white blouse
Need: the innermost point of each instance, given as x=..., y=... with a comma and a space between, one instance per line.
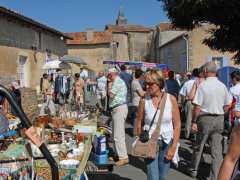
x=166, y=132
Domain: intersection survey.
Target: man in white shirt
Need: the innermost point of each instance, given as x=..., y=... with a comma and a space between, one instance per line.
x=211, y=101
x=235, y=92
x=101, y=91
x=187, y=101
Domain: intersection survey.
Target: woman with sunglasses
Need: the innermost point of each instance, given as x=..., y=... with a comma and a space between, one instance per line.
x=157, y=169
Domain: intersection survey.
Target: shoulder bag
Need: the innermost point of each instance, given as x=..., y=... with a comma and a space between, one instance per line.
x=148, y=148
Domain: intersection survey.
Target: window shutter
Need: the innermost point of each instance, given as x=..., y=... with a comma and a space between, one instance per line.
x=209, y=59
x=225, y=61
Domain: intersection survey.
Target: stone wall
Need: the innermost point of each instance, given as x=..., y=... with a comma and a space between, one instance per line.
x=200, y=53
x=174, y=53
x=6, y=80
x=123, y=46
x=21, y=35
x=93, y=55
x=139, y=45
x=9, y=64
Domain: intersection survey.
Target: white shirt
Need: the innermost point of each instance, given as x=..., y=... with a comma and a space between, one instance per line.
x=135, y=87
x=84, y=74
x=212, y=95
x=235, y=92
x=187, y=87
x=101, y=83
x=166, y=132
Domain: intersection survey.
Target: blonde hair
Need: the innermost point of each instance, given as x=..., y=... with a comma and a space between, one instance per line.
x=155, y=76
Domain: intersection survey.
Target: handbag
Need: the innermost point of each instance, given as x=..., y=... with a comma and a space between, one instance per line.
x=149, y=149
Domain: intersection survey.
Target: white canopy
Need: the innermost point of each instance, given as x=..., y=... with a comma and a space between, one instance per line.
x=56, y=64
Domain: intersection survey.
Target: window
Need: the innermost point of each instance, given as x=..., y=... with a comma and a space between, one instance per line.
x=218, y=61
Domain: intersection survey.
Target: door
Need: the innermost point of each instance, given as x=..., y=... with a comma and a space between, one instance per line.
x=24, y=71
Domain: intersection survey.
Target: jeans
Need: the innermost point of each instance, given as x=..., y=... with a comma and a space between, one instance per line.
x=157, y=169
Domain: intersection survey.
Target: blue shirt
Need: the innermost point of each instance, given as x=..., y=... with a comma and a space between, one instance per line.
x=172, y=87
x=127, y=78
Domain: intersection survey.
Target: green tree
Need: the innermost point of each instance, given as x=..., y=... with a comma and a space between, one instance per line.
x=224, y=14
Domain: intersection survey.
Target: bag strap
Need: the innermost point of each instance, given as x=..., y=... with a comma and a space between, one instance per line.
x=156, y=132
x=155, y=113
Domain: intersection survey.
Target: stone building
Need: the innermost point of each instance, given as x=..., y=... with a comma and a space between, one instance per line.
x=132, y=42
x=25, y=45
x=121, y=41
x=183, y=50
x=92, y=47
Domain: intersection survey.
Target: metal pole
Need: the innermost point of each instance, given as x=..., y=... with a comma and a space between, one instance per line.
x=27, y=124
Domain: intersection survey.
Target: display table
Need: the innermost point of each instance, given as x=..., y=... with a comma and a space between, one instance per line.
x=87, y=127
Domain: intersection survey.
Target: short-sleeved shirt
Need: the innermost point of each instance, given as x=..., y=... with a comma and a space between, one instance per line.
x=119, y=89
x=136, y=86
x=186, y=88
x=212, y=95
x=172, y=87
x=101, y=83
x=235, y=92
x=127, y=78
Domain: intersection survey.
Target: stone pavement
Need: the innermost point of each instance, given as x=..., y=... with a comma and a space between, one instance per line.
x=136, y=170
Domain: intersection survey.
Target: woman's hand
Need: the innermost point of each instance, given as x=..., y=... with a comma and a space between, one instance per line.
x=170, y=153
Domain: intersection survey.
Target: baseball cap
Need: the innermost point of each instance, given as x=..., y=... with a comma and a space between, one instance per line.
x=112, y=70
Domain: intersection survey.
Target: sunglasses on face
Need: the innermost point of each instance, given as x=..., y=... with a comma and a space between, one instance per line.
x=149, y=84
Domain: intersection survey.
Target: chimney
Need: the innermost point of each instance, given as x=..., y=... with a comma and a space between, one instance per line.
x=89, y=34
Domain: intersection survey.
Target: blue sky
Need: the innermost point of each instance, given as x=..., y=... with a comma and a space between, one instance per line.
x=77, y=15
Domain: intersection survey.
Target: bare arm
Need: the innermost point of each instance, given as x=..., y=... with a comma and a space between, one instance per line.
x=141, y=93
x=140, y=117
x=232, y=156
x=196, y=112
x=177, y=128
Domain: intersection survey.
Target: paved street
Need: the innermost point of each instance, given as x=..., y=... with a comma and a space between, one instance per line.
x=136, y=169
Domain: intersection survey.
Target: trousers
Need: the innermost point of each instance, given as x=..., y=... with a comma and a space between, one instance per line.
x=188, y=114
x=119, y=116
x=209, y=127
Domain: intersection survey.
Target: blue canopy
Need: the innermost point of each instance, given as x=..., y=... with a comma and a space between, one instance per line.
x=137, y=64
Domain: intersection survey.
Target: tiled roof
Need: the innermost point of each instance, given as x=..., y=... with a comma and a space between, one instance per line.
x=127, y=28
x=167, y=26
x=81, y=38
x=28, y=20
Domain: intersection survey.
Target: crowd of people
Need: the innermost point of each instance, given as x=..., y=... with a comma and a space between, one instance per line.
x=197, y=100
x=197, y=103
x=63, y=89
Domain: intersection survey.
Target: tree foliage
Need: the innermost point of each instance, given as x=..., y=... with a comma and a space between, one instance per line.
x=224, y=14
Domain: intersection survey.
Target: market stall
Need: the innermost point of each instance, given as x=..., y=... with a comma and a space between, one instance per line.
x=54, y=147
x=137, y=64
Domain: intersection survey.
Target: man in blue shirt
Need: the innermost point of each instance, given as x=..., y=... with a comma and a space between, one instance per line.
x=127, y=78
x=172, y=86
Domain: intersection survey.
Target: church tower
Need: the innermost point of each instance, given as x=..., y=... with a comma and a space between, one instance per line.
x=121, y=20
